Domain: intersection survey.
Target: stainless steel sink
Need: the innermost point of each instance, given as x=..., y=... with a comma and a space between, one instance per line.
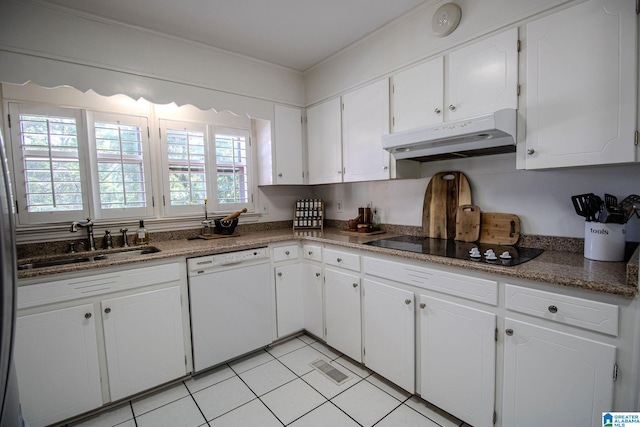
x=80, y=258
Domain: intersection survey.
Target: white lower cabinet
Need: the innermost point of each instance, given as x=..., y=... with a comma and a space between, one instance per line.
x=67, y=366
x=389, y=333
x=555, y=378
x=458, y=359
x=342, y=313
x=289, y=297
x=67, y=382
x=144, y=341
x=312, y=300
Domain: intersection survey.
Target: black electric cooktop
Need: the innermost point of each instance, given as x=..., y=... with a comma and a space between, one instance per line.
x=459, y=250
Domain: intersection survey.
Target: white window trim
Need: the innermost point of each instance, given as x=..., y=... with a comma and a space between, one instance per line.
x=121, y=213
x=212, y=176
x=24, y=216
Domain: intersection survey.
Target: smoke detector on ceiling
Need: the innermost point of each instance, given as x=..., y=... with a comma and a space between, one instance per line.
x=446, y=19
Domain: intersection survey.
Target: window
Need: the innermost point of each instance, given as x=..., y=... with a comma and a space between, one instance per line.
x=233, y=187
x=55, y=182
x=198, y=167
x=47, y=156
x=120, y=165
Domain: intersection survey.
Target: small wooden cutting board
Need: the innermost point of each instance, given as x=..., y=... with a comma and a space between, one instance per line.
x=468, y=223
x=499, y=228
x=445, y=192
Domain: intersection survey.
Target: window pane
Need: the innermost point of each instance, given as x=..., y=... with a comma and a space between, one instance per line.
x=231, y=162
x=120, y=163
x=51, y=165
x=185, y=155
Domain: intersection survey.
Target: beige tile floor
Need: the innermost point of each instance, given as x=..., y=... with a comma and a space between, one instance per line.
x=278, y=387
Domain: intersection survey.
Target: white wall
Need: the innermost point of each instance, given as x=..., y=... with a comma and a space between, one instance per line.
x=53, y=46
x=540, y=198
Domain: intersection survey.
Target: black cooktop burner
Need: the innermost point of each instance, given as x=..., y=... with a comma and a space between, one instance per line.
x=456, y=249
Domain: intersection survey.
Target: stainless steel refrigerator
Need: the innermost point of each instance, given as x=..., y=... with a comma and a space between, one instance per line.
x=9, y=399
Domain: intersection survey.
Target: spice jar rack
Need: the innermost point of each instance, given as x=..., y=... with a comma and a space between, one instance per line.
x=308, y=214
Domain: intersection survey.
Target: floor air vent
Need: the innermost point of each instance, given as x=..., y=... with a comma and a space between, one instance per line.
x=330, y=371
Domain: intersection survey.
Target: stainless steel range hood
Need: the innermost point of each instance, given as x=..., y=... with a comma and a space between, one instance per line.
x=487, y=134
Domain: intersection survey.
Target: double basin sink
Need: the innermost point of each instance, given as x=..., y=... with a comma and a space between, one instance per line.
x=87, y=257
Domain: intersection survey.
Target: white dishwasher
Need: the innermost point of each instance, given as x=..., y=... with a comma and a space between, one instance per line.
x=231, y=307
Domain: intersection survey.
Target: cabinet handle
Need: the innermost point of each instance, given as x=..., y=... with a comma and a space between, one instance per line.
x=530, y=151
x=339, y=259
x=452, y=107
x=279, y=274
x=509, y=332
x=87, y=315
x=310, y=253
x=317, y=274
x=107, y=310
x=280, y=175
x=407, y=301
x=286, y=253
x=385, y=168
x=437, y=111
x=422, y=305
x=355, y=285
x=553, y=309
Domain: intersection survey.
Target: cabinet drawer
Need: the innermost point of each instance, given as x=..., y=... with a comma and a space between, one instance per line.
x=96, y=284
x=284, y=253
x=460, y=285
x=342, y=259
x=587, y=314
x=312, y=252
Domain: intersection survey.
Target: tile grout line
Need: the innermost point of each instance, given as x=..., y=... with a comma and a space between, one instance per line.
x=389, y=413
x=133, y=413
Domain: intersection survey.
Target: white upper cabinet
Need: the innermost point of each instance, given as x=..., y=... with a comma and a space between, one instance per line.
x=365, y=118
x=482, y=77
x=418, y=96
x=582, y=86
x=289, y=163
x=324, y=142
x=478, y=79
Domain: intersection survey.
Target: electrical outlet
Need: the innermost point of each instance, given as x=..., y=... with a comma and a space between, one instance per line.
x=265, y=209
x=339, y=206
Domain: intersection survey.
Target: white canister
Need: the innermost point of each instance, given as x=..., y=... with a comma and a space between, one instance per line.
x=604, y=242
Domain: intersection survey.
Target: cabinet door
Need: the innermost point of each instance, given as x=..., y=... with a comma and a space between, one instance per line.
x=312, y=297
x=342, y=313
x=457, y=359
x=418, y=94
x=324, y=142
x=288, y=146
x=365, y=118
x=144, y=342
x=582, y=86
x=56, y=357
x=289, y=291
x=543, y=367
x=483, y=77
x=389, y=333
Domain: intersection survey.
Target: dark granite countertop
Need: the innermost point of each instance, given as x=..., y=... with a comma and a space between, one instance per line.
x=552, y=266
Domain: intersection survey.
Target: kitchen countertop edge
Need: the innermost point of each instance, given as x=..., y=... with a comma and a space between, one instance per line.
x=561, y=268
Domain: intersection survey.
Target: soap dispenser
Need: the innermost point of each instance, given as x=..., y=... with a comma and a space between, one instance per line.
x=142, y=235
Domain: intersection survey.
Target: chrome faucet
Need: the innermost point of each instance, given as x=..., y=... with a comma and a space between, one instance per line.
x=88, y=224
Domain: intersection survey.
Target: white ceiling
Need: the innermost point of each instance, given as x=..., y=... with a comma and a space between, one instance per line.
x=293, y=33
